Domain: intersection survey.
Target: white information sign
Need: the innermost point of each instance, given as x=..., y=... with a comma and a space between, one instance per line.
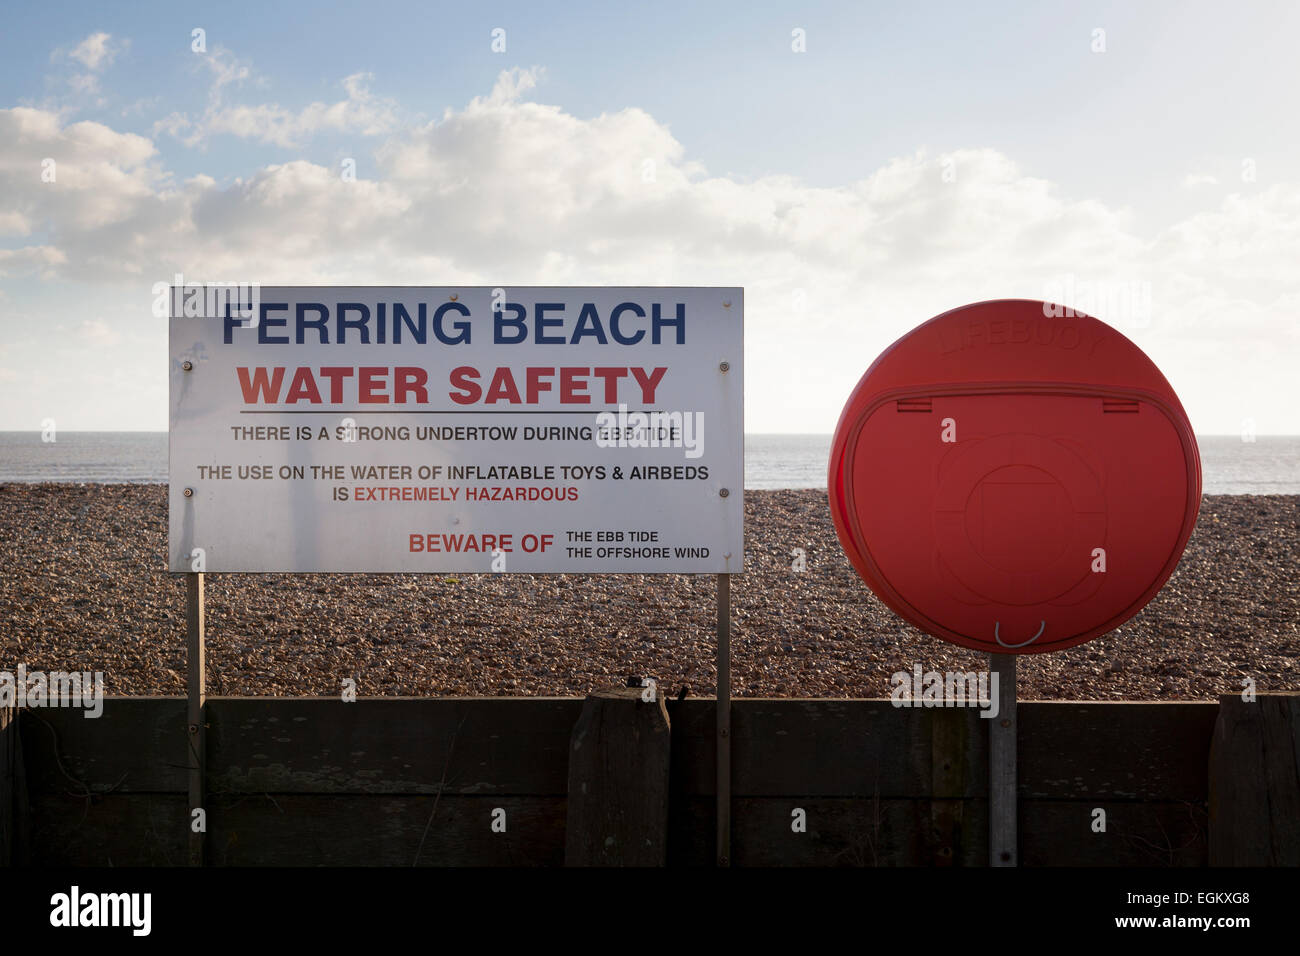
x=477, y=429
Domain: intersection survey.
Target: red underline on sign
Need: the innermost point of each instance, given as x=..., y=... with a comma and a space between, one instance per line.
x=383, y=411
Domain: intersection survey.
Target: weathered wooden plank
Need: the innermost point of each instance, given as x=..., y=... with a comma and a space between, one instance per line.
x=118, y=829
x=8, y=782
x=686, y=725
x=385, y=830
x=1115, y=751
x=14, y=838
x=519, y=745
x=852, y=832
x=390, y=745
x=861, y=769
x=308, y=745
x=950, y=769
x=1255, y=782
x=618, y=781
x=846, y=748
x=821, y=748
x=840, y=832
x=1149, y=833
x=123, y=829
x=358, y=830
x=131, y=829
x=137, y=745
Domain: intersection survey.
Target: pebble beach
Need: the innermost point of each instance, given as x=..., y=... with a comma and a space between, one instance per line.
x=84, y=586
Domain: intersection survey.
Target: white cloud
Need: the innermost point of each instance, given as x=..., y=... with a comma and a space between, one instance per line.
x=360, y=111
x=226, y=70
x=512, y=186
x=96, y=51
x=84, y=83
x=510, y=86
x=39, y=260
x=76, y=180
x=509, y=191
x=1192, y=180
x=81, y=87
x=14, y=223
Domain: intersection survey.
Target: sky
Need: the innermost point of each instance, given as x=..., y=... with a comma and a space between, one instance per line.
x=858, y=168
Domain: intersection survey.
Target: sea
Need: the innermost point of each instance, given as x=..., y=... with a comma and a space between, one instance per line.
x=1269, y=465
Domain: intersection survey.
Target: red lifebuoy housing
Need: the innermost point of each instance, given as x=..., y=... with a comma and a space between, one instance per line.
x=1014, y=479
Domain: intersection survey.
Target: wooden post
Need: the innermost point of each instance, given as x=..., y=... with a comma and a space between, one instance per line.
x=13, y=792
x=1255, y=781
x=195, y=684
x=8, y=772
x=949, y=766
x=1003, y=850
x=724, y=720
x=618, y=780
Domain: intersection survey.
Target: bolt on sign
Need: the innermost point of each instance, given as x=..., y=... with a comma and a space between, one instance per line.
x=481, y=429
x=1014, y=477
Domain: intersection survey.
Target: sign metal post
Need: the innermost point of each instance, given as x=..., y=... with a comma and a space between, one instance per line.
x=1002, y=765
x=195, y=712
x=724, y=720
